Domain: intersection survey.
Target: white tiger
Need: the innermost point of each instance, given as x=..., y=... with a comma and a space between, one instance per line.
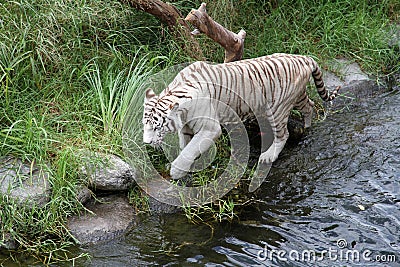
x=271, y=85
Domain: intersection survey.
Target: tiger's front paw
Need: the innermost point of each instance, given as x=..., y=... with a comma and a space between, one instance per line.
x=180, y=167
x=177, y=173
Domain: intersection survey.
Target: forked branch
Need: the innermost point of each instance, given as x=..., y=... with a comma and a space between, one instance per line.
x=232, y=43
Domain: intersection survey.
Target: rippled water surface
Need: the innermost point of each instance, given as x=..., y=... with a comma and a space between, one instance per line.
x=332, y=200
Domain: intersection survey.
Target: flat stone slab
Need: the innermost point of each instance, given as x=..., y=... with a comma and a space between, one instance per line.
x=157, y=207
x=353, y=81
x=346, y=73
x=111, y=217
x=25, y=182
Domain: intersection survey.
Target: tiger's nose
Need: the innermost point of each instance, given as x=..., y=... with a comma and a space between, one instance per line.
x=147, y=135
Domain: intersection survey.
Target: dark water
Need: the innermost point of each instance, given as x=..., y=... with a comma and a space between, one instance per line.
x=332, y=200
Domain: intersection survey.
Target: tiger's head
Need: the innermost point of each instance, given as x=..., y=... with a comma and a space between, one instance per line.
x=158, y=118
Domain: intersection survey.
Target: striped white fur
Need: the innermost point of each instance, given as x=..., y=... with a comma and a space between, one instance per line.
x=271, y=85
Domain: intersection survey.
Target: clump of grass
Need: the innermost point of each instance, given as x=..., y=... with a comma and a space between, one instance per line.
x=139, y=200
x=39, y=231
x=26, y=137
x=221, y=210
x=115, y=90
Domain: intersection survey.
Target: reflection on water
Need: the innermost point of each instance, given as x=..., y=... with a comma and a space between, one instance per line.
x=331, y=200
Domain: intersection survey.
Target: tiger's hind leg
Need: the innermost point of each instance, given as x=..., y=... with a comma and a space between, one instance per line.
x=281, y=135
x=305, y=106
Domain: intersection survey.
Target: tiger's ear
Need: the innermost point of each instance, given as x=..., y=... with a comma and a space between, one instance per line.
x=149, y=94
x=176, y=115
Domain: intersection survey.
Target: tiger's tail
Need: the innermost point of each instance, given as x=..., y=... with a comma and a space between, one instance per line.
x=319, y=83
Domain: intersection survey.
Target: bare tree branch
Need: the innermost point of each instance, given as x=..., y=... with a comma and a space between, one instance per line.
x=232, y=43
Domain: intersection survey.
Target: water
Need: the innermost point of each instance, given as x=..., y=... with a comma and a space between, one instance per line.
x=331, y=200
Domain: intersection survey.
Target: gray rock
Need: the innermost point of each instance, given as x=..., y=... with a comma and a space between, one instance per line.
x=24, y=181
x=157, y=207
x=83, y=194
x=111, y=217
x=107, y=172
x=394, y=38
x=395, y=83
x=331, y=80
x=347, y=72
x=353, y=81
x=352, y=72
x=7, y=242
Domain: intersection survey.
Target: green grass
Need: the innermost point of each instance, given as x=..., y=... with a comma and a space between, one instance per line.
x=70, y=69
x=51, y=54
x=324, y=29
x=39, y=231
x=115, y=89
